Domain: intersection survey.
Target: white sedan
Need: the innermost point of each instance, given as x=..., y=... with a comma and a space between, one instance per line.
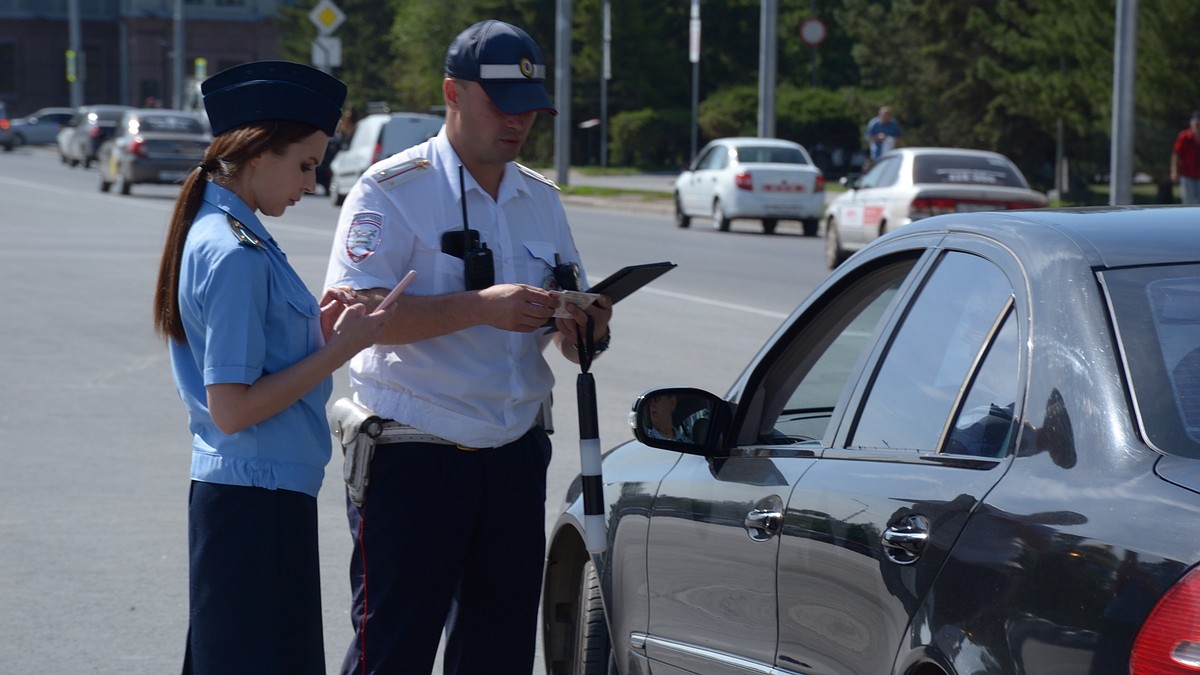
x=762, y=178
x=913, y=183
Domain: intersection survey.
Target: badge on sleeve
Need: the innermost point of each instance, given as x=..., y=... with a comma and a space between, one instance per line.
x=363, y=235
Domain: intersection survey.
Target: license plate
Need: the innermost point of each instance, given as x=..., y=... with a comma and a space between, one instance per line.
x=172, y=175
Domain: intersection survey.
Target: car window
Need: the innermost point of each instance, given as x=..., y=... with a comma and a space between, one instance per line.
x=169, y=123
x=402, y=132
x=717, y=158
x=810, y=376
x=1157, y=316
x=984, y=424
x=940, y=339
x=966, y=169
x=755, y=154
x=883, y=174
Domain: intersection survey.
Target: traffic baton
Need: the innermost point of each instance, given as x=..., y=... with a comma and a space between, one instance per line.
x=594, y=528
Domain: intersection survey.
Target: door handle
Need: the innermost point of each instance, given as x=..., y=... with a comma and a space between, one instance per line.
x=762, y=524
x=904, y=542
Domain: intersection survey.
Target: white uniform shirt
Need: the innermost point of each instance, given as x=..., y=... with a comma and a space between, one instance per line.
x=479, y=387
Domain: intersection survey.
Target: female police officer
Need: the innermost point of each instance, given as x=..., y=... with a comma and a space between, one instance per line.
x=252, y=352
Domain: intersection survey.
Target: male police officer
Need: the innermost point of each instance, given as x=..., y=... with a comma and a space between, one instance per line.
x=452, y=529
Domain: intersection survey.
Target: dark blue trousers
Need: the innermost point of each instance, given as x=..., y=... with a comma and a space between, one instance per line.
x=455, y=539
x=254, y=582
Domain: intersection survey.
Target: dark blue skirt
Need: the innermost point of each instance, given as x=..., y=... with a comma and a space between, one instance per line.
x=255, y=584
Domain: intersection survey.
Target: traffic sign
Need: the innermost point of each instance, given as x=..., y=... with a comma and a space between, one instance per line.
x=812, y=32
x=326, y=16
x=326, y=53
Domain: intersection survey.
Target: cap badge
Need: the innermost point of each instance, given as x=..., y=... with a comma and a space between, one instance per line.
x=526, y=67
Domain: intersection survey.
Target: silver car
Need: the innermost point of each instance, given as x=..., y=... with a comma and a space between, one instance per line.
x=767, y=179
x=40, y=128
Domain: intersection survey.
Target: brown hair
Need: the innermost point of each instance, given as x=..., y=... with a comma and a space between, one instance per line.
x=226, y=156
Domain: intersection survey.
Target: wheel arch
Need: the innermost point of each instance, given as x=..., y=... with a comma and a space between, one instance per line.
x=565, y=557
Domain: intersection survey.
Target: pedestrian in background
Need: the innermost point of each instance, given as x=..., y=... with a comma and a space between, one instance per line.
x=252, y=353
x=463, y=381
x=1185, y=161
x=882, y=132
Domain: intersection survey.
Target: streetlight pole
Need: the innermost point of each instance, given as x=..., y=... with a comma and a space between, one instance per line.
x=694, y=57
x=605, y=76
x=177, y=59
x=766, y=68
x=562, y=93
x=1120, y=178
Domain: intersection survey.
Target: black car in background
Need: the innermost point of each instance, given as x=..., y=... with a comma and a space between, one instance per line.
x=974, y=449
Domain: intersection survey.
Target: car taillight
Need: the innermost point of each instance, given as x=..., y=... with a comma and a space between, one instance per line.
x=744, y=181
x=4, y=123
x=138, y=147
x=923, y=207
x=375, y=156
x=1169, y=640
x=1021, y=205
x=819, y=186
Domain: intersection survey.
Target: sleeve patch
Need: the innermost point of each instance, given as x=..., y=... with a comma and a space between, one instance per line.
x=363, y=235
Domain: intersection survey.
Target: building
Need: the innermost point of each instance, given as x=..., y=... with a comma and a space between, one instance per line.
x=128, y=47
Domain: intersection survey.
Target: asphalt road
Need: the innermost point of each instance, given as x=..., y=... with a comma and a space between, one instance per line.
x=93, y=440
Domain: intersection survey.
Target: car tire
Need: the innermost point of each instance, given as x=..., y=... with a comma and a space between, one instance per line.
x=811, y=225
x=834, y=253
x=769, y=225
x=682, y=220
x=592, y=648
x=720, y=220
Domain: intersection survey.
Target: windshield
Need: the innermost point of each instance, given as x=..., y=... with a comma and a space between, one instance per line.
x=966, y=170
x=1157, y=316
x=754, y=154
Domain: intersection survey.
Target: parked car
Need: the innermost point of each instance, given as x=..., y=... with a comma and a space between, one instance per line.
x=974, y=448
x=764, y=178
x=40, y=128
x=153, y=146
x=377, y=137
x=79, y=141
x=913, y=183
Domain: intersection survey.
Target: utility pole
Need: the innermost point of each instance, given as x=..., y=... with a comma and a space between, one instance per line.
x=562, y=93
x=766, y=68
x=605, y=76
x=76, y=70
x=1120, y=190
x=177, y=59
x=694, y=57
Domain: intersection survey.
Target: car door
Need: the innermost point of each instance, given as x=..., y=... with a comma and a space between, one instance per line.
x=696, y=190
x=923, y=440
x=867, y=204
x=716, y=523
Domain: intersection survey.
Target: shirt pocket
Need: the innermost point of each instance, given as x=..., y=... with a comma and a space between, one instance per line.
x=539, y=265
x=302, y=326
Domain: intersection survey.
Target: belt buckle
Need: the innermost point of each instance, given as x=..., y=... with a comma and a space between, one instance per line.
x=464, y=448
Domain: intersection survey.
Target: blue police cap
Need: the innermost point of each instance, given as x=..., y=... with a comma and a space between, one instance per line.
x=273, y=90
x=506, y=62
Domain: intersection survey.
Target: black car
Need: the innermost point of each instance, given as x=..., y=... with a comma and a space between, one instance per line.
x=974, y=449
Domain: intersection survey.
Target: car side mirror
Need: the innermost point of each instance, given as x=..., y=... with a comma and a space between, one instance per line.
x=682, y=419
x=850, y=181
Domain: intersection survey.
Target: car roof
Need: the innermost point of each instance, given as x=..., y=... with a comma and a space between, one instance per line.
x=744, y=140
x=944, y=151
x=1113, y=236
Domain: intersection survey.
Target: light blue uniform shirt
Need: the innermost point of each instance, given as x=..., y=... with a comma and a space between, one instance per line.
x=247, y=314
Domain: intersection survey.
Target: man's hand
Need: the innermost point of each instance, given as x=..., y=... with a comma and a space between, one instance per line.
x=572, y=328
x=517, y=307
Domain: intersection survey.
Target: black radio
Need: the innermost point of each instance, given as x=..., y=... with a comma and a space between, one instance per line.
x=478, y=266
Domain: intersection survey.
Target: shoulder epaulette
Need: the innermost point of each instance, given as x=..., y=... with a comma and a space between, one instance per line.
x=401, y=173
x=536, y=176
x=243, y=233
